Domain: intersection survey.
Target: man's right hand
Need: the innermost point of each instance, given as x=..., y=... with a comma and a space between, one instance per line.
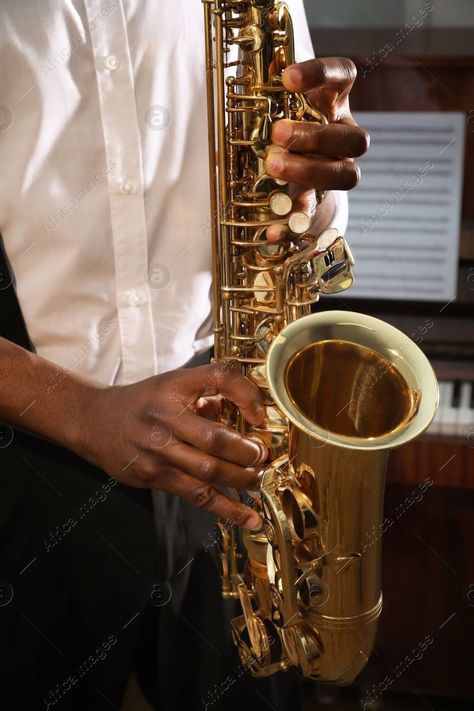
x=150, y=435
x=146, y=435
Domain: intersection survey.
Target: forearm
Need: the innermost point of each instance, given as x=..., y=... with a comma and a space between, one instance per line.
x=38, y=396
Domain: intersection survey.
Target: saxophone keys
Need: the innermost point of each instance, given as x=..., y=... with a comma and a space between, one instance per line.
x=299, y=223
x=262, y=4
x=312, y=591
x=272, y=432
x=250, y=38
x=258, y=375
x=304, y=647
x=333, y=263
x=280, y=203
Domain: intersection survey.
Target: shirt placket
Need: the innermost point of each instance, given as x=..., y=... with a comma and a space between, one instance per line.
x=120, y=125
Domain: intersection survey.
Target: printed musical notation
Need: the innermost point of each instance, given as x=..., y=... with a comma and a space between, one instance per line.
x=404, y=218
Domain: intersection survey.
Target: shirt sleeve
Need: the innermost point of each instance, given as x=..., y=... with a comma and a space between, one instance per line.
x=303, y=44
x=341, y=214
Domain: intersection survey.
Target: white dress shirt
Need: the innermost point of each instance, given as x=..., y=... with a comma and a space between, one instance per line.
x=104, y=204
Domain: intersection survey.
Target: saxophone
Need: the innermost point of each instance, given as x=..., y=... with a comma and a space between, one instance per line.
x=340, y=388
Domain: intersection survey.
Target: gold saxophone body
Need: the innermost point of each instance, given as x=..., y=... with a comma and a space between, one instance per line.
x=340, y=388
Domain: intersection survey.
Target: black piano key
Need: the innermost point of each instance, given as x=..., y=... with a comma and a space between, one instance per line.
x=456, y=399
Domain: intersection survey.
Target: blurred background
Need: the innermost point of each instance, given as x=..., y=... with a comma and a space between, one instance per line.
x=412, y=230
x=372, y=14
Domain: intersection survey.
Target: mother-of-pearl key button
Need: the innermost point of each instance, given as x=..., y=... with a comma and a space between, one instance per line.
x=281, y=204
x=111, y=62
x=299, y=222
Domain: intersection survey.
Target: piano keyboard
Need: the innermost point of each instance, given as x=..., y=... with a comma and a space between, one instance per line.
x=455, y=415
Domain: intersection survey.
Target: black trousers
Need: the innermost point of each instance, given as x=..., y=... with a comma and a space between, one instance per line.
x=83, y=598
x=76, y=554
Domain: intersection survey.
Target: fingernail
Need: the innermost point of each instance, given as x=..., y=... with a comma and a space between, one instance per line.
x=254, y=522
x=258, y=457
x=275, y=165
x=282, y=132
x=275, y=232
x=262, y=452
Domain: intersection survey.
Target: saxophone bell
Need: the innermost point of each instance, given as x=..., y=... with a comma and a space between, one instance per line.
x=352, y=387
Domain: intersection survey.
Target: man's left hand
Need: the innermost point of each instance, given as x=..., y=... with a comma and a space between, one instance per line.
x=315, y=156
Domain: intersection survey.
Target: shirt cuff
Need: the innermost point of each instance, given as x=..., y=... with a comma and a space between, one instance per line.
x=341, y=213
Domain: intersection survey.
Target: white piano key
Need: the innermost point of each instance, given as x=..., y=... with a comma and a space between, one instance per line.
x=435, y=427
x=449, y=416
x=465, y=420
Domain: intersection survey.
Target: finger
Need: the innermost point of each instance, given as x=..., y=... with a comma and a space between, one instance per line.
x=275, y=233
x=335, y=140
x=218, y=440
x=220, y=379
x=332, y=73
x=211, y=470
x=345, y=117
x=314, y=171
x=304, y=200
x=209, y=498
x=209, y=408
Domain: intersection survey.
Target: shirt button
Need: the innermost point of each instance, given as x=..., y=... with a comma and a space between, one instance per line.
x=135, y=298
x=111, y=62
x=126, y=187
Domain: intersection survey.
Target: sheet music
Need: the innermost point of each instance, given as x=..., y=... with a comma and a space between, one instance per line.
x=404, y=218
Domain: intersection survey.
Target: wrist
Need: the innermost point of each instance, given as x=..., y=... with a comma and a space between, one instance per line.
x=324, y=214
x=85, y=421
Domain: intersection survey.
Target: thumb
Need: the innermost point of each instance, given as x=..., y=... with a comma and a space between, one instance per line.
x=222, y=379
